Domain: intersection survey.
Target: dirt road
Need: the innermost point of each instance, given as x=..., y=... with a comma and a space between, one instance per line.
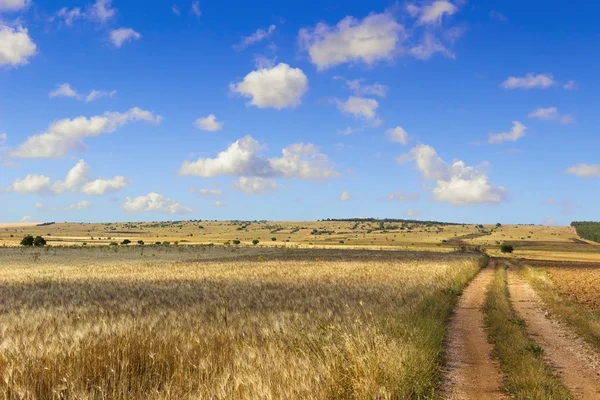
x=472, y=373
x=577, y=363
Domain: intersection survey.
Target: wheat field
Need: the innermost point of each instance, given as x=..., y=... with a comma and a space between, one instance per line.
x=184, y=323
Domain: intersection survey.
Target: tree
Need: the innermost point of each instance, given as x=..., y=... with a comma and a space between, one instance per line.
x=498, y=225
x=39, y=241
x=255, y=242
x=141, y=242
x=126, y=241
x=506, y=248
x=236, y=242
x=273, y=238
x=27, y=241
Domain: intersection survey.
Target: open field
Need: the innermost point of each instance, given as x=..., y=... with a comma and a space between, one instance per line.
x=187, y=322
x=532, y=242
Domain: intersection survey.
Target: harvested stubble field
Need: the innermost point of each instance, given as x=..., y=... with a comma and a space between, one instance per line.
x=138, y=323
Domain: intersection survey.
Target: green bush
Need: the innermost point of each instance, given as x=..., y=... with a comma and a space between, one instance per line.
x=27, y=241
x=126, y=241
x=141, y=242
x=255, y=242
x=39, y=241
x=273, y=238
x=114, y=244
x=166, y=244
x=157, y=243
x=506, y=248
x=236, y=242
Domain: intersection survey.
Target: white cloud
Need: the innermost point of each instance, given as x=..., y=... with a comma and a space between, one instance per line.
x=551, y=113
x=549, y=221
x=456, y=184
x=255, y=185
x=196, y=9
x=256, y=37
x=3, y=137
x=218, y=204
x=63, y=90
x=68, y=134
x=205, y=193
x=533, y=81
x=428, y=47
x=345, y=196
x=175, y=10
x=26, y=218
x=403, y=197
x=75, y=180
x=72, y=207
x=209, y=123
x=360, y=89
x=154, y=202
x=70, y=16
x=433, y=13
x=100, y=187
x=242, y=158
x=398, y=134
x=97, y=94
x=584, y=170
x=517, y=132
x=372, y=39
x=411, y=213
x=122, y=35
x=358, y=106
x=278, y=87
x=13, y=5
x=16, y=47
x=101, y=11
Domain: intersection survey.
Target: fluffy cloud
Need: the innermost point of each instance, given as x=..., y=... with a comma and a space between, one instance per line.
x=398, y=134
x=195, y=10
x=26, y=218
x=517, y=132
x=16, y=47
x=205, y=193
x=551, y=113
x=101, y=186
x=372, y=39
x=209, y=123
x=154, y=202
x=13, y=5
x=428, y=47
x=242, y=158
x=345, y=196
x=456, y=184
x=122, y=35
x=75, y=180
x=65, y=90
x=433, y=13
x=584, y=170
x=255, y=185
x=403, y=197
x=360, y=89
x=358, y=106
x=277, y=87
x=101, y=11
x=411, y=213
x=256, y=37
x=68, y=134
x=535, y=81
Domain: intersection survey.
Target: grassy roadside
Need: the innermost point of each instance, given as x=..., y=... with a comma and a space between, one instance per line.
x=585, y=322
x=526, y=374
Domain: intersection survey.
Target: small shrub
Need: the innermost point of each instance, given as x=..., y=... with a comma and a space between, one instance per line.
x=274, y=239
x=157, y=243
x=140, y=242
x=126, y=242
x=506, y=248
x=255, y=242
x=84, y=244
x=166, y=244
x=39, y=241
x=113, y=244
x=27, y=241
x=236, y=242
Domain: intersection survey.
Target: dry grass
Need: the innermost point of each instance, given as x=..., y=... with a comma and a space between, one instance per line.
x=190, y=323
x=570, y=291
x=526, y=374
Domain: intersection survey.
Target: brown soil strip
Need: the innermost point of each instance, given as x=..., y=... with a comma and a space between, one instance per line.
x=472, y=373
x=575, y=361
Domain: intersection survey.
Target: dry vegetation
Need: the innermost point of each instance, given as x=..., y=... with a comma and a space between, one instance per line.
x=190, y=322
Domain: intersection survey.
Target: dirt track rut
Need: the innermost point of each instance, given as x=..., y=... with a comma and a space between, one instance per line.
x=576, y=362
x=472, y=373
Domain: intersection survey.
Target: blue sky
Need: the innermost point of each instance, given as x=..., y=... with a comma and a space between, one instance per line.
x=441, y=110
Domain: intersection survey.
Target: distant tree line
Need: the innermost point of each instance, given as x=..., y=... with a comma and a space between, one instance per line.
x=387, y=220
x=587, y=230
x=46, y=224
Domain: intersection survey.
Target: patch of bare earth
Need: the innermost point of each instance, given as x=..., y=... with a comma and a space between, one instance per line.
x=575, y=361
x=472, y=372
